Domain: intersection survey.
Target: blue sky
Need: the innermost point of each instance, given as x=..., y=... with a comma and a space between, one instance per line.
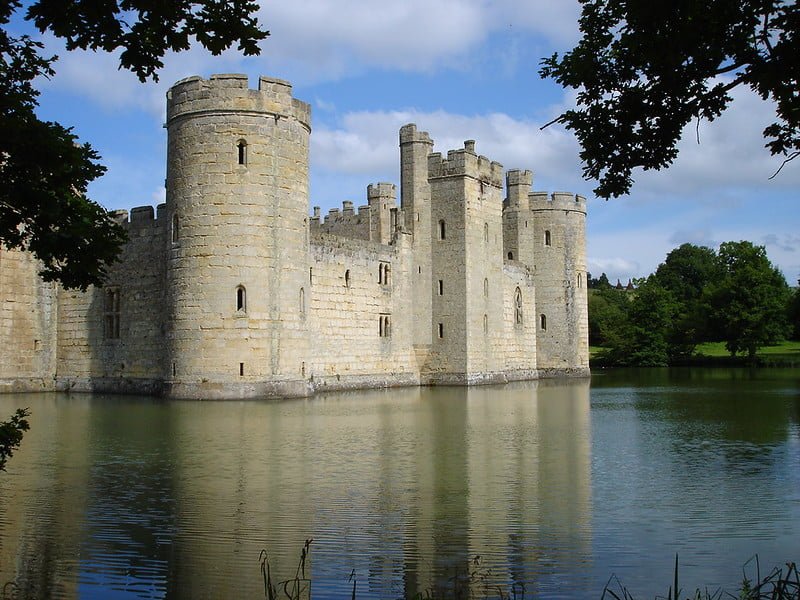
x=460, y=69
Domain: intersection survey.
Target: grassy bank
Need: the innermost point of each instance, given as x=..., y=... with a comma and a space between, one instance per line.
x=714, y=354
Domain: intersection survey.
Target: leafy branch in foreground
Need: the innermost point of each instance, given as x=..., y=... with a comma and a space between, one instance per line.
x=44, y=170
x=11, y=434
x=645, y=70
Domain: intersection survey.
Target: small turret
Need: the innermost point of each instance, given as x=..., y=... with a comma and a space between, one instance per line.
x=382, y=199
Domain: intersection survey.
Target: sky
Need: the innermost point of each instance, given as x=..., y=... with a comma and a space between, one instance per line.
x=459, y=69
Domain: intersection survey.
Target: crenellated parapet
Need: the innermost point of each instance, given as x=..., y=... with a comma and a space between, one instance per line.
x=140, y=217
x=375, y=221
x=539, y=201
x=381, y=191
x=465, y=163
x=410, y=134
x=225, y=93
x=518, y=186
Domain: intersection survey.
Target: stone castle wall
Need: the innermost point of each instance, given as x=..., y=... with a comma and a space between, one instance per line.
x=231, y=289
x=359, y=314
x=28, y=320
x=114, y=338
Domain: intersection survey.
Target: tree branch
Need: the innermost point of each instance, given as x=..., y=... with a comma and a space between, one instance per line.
x=729, y=68
x=791, y=157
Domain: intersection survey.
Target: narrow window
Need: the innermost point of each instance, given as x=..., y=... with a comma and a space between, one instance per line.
x=441, y=230
x=111, y=313
x=485, y=323
x=384, y=326
x=419, y=270
x=486, y=232
x=510, y=256
x=310, y=275
x=241, y=299
x=546, y=237
x=241, y=369
x=383, y=273
x=302, y=302
x=580, y=282
x=175, y=231
x=347, y=278
x=441, y=330
x=174, y=370
x=526, y=224
x=518, y=307
x=543, y=322
x=242, y=150
x=486, y=288
x=441, y=287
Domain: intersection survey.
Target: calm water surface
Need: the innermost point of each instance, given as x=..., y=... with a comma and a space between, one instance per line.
x=554, y=485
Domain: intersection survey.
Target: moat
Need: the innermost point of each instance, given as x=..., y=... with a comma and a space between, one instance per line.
x=555, y=484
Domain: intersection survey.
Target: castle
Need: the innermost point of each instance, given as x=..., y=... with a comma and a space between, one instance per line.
x=232, y=289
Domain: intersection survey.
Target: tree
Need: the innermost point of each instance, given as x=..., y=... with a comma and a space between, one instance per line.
x=794, y=313
x=607, y=316
x=644, y=70
x=643, y=340
x=44, y=171
x=685, y=273
x=11, y=434
x=748, y=302
x=598, y=283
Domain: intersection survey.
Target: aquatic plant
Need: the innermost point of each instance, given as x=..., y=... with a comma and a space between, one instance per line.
x=777, y=585
x=296, y=588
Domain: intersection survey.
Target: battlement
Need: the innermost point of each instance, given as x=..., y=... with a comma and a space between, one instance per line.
x=519, y=177
x=518, y=186
x=227, y=93
x=139, y=216
x=347, y=214
x=410, y=134
x=465, y=162
x=557, y=201
x=377, y=191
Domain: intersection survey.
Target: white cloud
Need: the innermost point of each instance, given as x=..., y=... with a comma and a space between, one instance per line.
x=318, y=40
x=367, y=143
x=729, y=157
x=328, y=40
x=97, y=76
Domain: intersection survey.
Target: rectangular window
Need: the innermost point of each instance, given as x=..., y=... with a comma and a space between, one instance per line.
x=441, y=330
x=111, y=314
x=441, y=287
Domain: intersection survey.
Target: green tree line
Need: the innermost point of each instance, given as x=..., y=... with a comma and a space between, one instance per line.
x=733, y=295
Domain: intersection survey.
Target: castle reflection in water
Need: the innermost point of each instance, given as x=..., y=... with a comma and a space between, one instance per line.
x=406, y=487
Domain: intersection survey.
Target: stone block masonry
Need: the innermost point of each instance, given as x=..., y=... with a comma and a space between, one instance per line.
x=231, y=289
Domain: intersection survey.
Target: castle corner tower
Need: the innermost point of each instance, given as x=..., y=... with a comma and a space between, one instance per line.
x=237, y=264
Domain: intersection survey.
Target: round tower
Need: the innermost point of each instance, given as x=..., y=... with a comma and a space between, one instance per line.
x=559, y=252
x=237, y=272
